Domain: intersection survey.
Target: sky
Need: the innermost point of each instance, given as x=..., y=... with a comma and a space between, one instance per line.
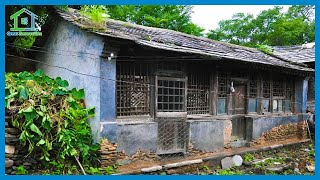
x=208, y=16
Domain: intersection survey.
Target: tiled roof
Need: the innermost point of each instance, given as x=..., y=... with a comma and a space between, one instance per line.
x=176, y=41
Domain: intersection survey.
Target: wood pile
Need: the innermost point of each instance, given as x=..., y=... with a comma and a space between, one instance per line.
x=15, y=153
x=284, y=132
x=109, y=154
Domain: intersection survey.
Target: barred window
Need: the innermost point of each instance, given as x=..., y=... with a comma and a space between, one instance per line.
x=253, y=95
x=198, y=93
x=222, y=93
x=133, y=88
x=171, y=95
x=278, y=96
x=266, y=85
x=289, y=95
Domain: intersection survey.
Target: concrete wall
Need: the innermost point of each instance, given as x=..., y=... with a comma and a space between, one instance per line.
x=264, y=124
x=135, y=136
x=68, y=46
x=207, y=135
x=108, y=96
x=301, y=93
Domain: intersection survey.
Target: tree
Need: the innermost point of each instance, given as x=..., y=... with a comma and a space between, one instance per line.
x=174, y=17
x=270, y=27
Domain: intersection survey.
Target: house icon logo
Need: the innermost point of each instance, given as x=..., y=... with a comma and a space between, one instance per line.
x=24, y=24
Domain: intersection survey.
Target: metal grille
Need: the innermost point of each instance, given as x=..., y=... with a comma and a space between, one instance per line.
x=172, y=136
x=171, y=95
x=266, y=93
x=278, y=90
x=133, y=89
x=289, y=86
x=253, y=89
x=288, y=95
x=222, y=85
x=198, y=93
x=266, y=89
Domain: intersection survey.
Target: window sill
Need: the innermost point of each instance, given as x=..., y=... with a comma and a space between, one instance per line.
x=134, y=119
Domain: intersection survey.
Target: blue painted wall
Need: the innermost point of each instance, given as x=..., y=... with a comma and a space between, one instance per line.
x=108, y=90
x=73, y=48
x=301, y=93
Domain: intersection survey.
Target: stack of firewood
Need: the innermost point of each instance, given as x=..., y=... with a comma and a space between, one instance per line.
x=109, y=154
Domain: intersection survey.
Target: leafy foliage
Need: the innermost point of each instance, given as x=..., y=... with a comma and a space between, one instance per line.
x=174, y=17
x=98, y=14
x=271, y=27
x=21, y=170
x=228, y=172
x=52, y=120
x=248, y=157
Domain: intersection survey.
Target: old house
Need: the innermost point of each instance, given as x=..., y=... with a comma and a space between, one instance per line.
x=304, y=54
x=162, y=91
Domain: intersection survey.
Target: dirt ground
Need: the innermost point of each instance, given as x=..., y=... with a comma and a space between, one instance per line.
x=135, y=166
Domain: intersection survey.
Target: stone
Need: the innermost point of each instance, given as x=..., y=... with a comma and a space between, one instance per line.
x=9, y=163
x=237, y=160
x=27, y=164
x=296, y=171
x=226, y=163
x=310, y=168
x=124, y=161
x=13, y=131
x=256, y=161
x=275, y=169
x=306, y=150
x=8, y=171
x=9, y=156
x=151, y=169
x=183, y=163
x=9, y=149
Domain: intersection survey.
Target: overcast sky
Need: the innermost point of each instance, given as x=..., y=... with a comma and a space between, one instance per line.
x=208, y=16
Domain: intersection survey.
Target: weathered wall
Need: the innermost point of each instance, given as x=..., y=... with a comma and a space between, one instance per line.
x=207, y=135
x=227, y=133
x=265, y=124
x=137, y=136
x=108, y=96
x=301, y=93
x=68, y=47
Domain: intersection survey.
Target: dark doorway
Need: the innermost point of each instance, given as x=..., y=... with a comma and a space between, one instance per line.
x=239, y=99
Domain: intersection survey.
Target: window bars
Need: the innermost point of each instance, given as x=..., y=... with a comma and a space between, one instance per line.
x=133, y=89
x=198, y=93
x=278, y=96
x=170, y=95
x=222, y=92
x=253, y=95
x=266, y=94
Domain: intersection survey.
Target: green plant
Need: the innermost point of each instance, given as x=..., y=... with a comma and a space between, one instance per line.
x=228, y=172
x=21, y=170
x=248, y=157
x=264, y=49
x=312, y=151
x=98, y=14
x=52, y=120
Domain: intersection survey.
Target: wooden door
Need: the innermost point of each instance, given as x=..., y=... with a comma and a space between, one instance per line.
x=239, y=99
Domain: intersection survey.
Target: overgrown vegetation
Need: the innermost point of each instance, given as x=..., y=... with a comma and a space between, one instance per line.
x=21, y=170
x=53, y=122
x=98, y=14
